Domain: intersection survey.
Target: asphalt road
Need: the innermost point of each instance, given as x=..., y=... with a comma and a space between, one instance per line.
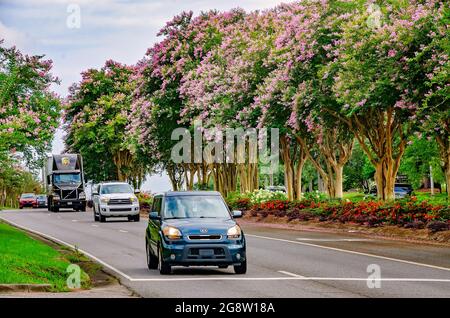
x=281, y=263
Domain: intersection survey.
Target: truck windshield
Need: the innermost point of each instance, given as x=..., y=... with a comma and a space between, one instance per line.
x=67, y=178
x=116, y=188
x=184, y=207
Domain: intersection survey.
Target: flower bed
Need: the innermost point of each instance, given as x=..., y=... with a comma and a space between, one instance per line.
x=405, y=213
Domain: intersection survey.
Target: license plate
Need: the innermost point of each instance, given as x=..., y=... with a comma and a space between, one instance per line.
x=205, y=252
x=69, y=203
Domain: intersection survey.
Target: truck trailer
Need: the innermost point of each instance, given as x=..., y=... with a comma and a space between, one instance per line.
x=65, y=179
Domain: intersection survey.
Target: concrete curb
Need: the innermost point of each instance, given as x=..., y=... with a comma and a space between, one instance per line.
x=25, y=287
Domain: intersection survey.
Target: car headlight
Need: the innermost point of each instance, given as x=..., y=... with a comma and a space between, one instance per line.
x=172, y=233
x=234, y=232
x=82, y=195
x=104, y=200
x=133, y=199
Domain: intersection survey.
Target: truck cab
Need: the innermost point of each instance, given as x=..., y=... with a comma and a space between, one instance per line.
x=66, y=183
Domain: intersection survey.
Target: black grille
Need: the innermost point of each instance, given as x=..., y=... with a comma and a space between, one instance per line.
x=120, y=209
x=119, y=201
x=68, y=194
x=205, y=237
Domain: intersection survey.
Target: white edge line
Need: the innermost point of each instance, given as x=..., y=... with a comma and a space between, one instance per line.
x=70, y=246
x=351, y=252
x=289, y=278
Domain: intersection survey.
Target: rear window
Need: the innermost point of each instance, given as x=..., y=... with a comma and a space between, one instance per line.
x=27, y=196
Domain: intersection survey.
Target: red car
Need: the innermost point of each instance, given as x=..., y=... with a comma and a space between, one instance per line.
x=27, y=199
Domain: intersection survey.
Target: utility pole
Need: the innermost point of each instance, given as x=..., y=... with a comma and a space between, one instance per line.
x=431, y=180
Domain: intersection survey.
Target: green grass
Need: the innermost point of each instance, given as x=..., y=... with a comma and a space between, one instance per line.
x=438, y=198
x=24, y=260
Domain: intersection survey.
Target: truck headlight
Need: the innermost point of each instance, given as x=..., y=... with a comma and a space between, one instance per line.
x=234, y=232
x=172, y=233
x=104, y=200
x=56, y=197
x=82, y=195
x=133, y=199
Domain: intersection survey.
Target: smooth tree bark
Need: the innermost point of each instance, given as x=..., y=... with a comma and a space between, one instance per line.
x=383, y=137
x=444, y=150
x=294, y=157
x=332, y=155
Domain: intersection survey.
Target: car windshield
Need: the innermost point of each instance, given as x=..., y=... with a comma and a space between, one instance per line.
x=27, y=196
x=183, y=207
x=116, y=188
x=67, y=178
x=41, y=197
x=402, y=189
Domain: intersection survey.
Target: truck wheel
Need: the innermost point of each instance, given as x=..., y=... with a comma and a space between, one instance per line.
x=102, y=219
x=241, y=269
x=55, y=209
x=83, y=208
x=137, y=218
x=164, y=268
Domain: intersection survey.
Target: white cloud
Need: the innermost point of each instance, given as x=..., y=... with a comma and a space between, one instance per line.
x=12, y=36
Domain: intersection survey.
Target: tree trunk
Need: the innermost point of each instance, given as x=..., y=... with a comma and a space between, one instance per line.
x=444, y=151
x=294, y=158
x=338, y=187
x=385, y=179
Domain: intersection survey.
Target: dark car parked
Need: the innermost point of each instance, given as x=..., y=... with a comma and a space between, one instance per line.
x=401, y=190
x=41, y=201
x=194, y=228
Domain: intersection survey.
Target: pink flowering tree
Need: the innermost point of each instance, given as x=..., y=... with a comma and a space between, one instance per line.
x=96, y=117
x=435, y=92
x=158, y=107
x=29, y=111
x=221, y=89
x=376, y=80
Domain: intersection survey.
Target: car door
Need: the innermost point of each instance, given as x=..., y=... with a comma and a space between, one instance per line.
x=154, y=225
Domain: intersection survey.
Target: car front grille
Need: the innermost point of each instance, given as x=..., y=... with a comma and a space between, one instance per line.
x=119, y=201
x=68, y=194
x=120, y=209
x=205, y=237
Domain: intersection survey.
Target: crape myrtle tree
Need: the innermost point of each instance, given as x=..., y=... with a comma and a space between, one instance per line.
x=293, y=95
x=96, y=117
x=433, y=59
x=186, y=42
x=29, y=111
x=223, y=86
x=377, y=81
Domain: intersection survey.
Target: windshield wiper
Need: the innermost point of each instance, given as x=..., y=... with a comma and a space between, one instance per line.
x=174, y=218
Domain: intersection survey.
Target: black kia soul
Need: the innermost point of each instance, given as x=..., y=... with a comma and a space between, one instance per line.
x=194, y=228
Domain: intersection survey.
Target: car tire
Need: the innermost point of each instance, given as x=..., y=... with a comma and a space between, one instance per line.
x=152, y=260
x=164, y=268
x=137, y=218
x=56, y=210
x=21, y=207
x=102, y=219
x=96, y=218
x=83, y=208
x=241, y=269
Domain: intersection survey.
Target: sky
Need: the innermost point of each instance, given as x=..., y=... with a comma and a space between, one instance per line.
x=82, y=34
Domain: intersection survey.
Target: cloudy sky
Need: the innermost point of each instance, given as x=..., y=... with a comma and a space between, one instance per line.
x=107, y=29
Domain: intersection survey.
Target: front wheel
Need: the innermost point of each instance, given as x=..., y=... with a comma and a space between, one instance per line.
x=102, y=219
x=164, y=268
x=152, y=261
x=96, y=218
x=242, y=268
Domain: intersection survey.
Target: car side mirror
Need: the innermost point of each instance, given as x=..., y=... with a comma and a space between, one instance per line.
x=137, y=191
x=237, y=214
x=154, y=216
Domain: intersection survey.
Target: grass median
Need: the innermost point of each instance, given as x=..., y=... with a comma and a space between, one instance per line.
x=27, y=260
